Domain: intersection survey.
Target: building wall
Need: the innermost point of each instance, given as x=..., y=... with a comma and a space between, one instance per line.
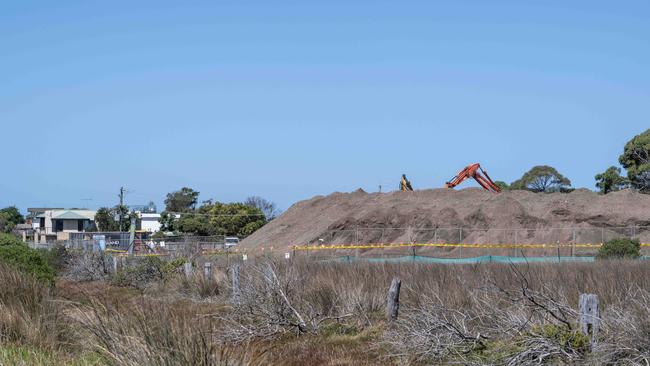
x=149, y=222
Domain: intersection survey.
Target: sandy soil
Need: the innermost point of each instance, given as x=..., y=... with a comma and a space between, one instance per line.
x=510, y=217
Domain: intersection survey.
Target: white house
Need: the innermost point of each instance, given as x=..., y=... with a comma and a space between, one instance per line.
x=150, y=222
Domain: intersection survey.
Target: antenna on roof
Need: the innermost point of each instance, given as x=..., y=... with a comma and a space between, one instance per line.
x=86, y=200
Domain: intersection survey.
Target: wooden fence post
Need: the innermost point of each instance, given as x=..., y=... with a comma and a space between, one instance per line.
x=114, y=264
x=235, y=284
x=207, y=270
x=589, y=317
x=187, y=267
x=392, y=306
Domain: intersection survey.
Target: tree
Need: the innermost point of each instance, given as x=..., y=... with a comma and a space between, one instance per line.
x=107, y=219
x=619, y=249
x=503, y=185
x=236, y=219
x=104, y=220
x=167, y=222
x=268, y=208
x=9, y=218
x=636, y=160
x=611, y=180
x=184, y=200
x=542, y=178
x=216, y=218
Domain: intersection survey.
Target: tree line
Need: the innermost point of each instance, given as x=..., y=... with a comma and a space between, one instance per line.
x=182, y=214
x=635, y=159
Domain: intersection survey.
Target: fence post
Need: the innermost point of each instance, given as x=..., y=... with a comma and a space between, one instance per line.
x=235, y=284
x=392, y=306
x=516, y=241
x=114, y=264
x=602, y=235
x=589, y=317
x=187, y=267
x=207, y=270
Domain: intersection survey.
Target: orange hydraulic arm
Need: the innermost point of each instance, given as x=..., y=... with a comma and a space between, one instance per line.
x=474, y=171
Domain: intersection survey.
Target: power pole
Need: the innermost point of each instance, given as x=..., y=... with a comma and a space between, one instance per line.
x=122, y=191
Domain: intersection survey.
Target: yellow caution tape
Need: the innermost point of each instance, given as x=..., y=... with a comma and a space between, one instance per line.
x=447, y=245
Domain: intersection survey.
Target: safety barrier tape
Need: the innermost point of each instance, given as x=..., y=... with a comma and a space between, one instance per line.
x=446, y=245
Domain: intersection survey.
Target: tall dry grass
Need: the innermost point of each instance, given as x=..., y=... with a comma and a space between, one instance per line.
x=301, y=312
x=29, y=313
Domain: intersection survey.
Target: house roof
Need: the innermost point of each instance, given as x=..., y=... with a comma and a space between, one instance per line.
x=70, y=215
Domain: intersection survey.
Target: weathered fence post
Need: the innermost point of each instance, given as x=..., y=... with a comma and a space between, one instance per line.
x=114, y=264
x=235, y=284
x=187, y=267
x=589, y=317
x=207, y=270
x=392, y=306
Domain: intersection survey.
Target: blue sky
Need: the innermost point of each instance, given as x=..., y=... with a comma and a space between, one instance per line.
x=291, y=99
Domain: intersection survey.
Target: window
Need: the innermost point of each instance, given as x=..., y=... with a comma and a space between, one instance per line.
x=59, y=225
x=80, y=225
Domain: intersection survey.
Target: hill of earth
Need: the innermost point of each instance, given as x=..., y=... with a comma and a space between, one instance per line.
x=469, y=215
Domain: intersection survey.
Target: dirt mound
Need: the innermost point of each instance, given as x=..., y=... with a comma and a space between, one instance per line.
x=470, y=215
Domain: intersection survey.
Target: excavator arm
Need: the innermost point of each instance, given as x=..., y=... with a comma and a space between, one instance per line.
x=474, y=171
x=405, y=184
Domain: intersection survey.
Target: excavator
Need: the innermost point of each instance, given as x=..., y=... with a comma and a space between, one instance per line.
x=405, y=184
x=474, y=171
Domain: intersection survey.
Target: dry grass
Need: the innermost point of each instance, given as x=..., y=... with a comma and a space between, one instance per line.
x=302, y=313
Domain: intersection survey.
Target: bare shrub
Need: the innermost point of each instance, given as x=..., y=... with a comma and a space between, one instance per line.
x=626, y=330
x=84, y=266
x=504, y=325
x=274, y=299
x=158, y=333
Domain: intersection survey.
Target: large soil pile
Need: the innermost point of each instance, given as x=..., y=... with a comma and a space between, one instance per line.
x=436, y=216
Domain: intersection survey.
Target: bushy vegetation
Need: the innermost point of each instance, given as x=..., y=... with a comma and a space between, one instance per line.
x=620, y=248
x=8, y=239
x=15, y=253
x=9, y=218
x=214, y=218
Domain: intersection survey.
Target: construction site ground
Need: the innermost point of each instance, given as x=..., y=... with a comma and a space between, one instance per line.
x=511, y=223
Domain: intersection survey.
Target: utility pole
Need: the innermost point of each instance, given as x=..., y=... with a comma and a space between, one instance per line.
x=122, y=191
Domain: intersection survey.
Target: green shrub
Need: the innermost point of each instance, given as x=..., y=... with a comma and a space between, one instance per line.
x=57, y=256
x=567, y=339
x=27, y=260
x=17, y=254
x=620, y=248
x=9, y=239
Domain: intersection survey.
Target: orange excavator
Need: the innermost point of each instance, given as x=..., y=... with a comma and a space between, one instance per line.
x=474, y=171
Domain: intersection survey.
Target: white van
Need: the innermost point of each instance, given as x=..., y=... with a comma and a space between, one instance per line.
x=231, y=241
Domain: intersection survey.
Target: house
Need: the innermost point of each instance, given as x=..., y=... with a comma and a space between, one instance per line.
x=56, y=224
x=149, y=222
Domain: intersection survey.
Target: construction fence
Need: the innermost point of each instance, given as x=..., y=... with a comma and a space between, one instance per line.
x=443, y=243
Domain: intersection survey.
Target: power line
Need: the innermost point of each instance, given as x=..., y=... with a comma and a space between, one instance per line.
x=217, y=215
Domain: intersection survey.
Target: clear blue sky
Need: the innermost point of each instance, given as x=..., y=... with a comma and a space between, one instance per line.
x=290, y=99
